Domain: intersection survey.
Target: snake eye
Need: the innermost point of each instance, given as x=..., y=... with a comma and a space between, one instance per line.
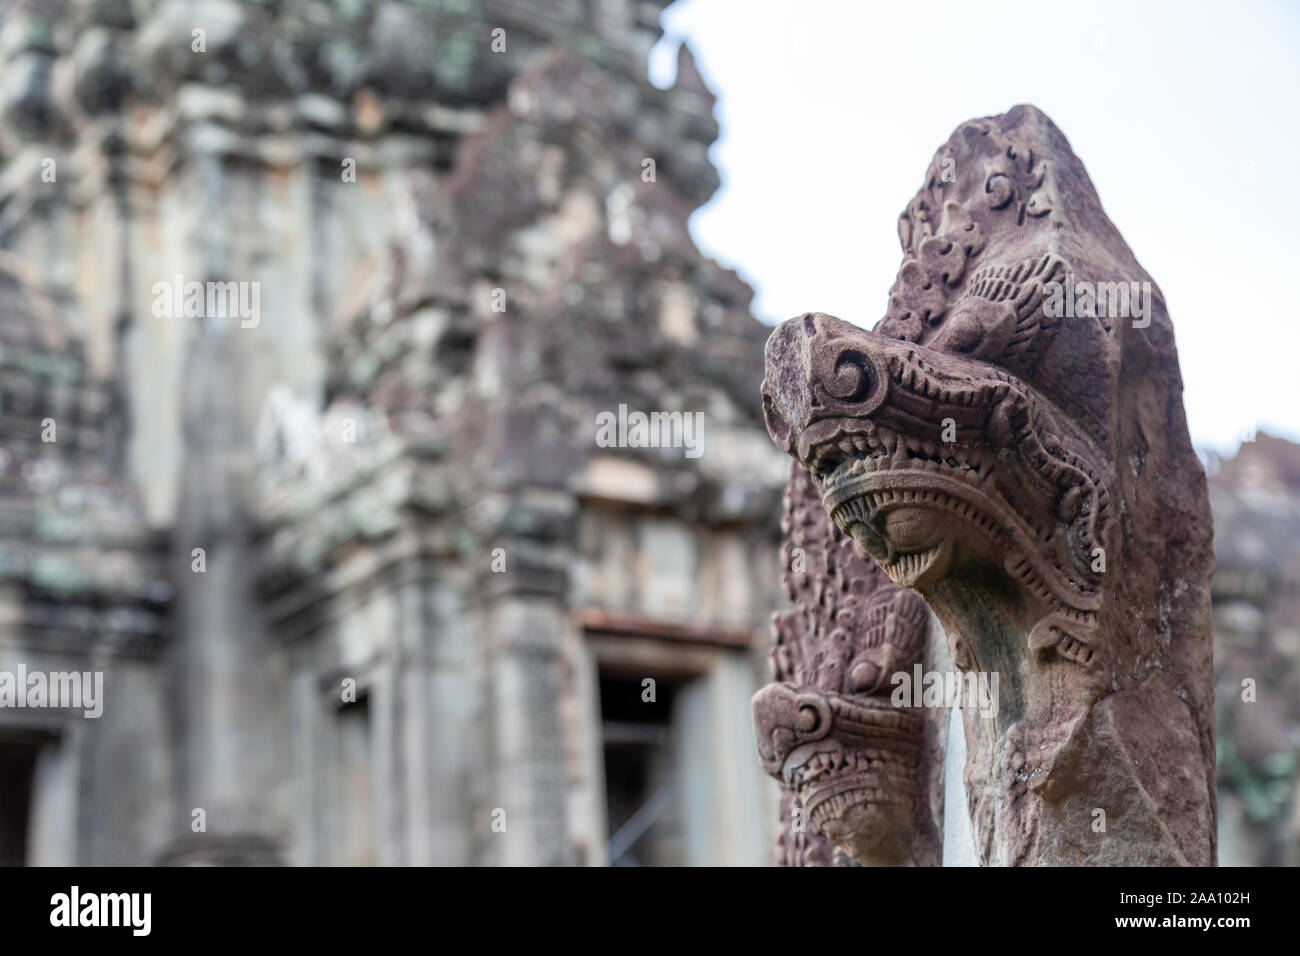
x=864, y=676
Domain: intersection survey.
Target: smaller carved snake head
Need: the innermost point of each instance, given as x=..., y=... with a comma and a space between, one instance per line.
x=835, y=738
x=852, y=764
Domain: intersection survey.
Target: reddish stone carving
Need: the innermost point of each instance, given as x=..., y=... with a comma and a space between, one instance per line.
x=849, y=759
x=1010, y=442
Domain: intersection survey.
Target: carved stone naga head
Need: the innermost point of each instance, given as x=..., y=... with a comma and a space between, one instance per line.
x=1010, y=442
x=826, y=729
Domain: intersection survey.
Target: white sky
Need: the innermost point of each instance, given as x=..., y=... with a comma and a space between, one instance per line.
x=831, y=111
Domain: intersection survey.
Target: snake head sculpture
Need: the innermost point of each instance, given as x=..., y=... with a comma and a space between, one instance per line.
x=1009, y=441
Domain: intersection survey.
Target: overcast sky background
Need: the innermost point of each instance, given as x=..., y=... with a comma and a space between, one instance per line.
x=1183, y=113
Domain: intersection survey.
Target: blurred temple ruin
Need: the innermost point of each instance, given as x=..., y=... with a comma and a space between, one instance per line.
x=465, y=227
x=1255, y=497
x=363, y=584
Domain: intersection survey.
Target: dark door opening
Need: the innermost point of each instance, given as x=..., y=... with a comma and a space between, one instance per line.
x=18, y=754
x=642, y=794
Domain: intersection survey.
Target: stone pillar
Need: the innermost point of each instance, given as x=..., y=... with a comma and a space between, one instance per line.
x=524, y=530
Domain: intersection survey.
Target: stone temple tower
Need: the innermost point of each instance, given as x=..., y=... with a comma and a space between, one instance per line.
x=325, y=303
